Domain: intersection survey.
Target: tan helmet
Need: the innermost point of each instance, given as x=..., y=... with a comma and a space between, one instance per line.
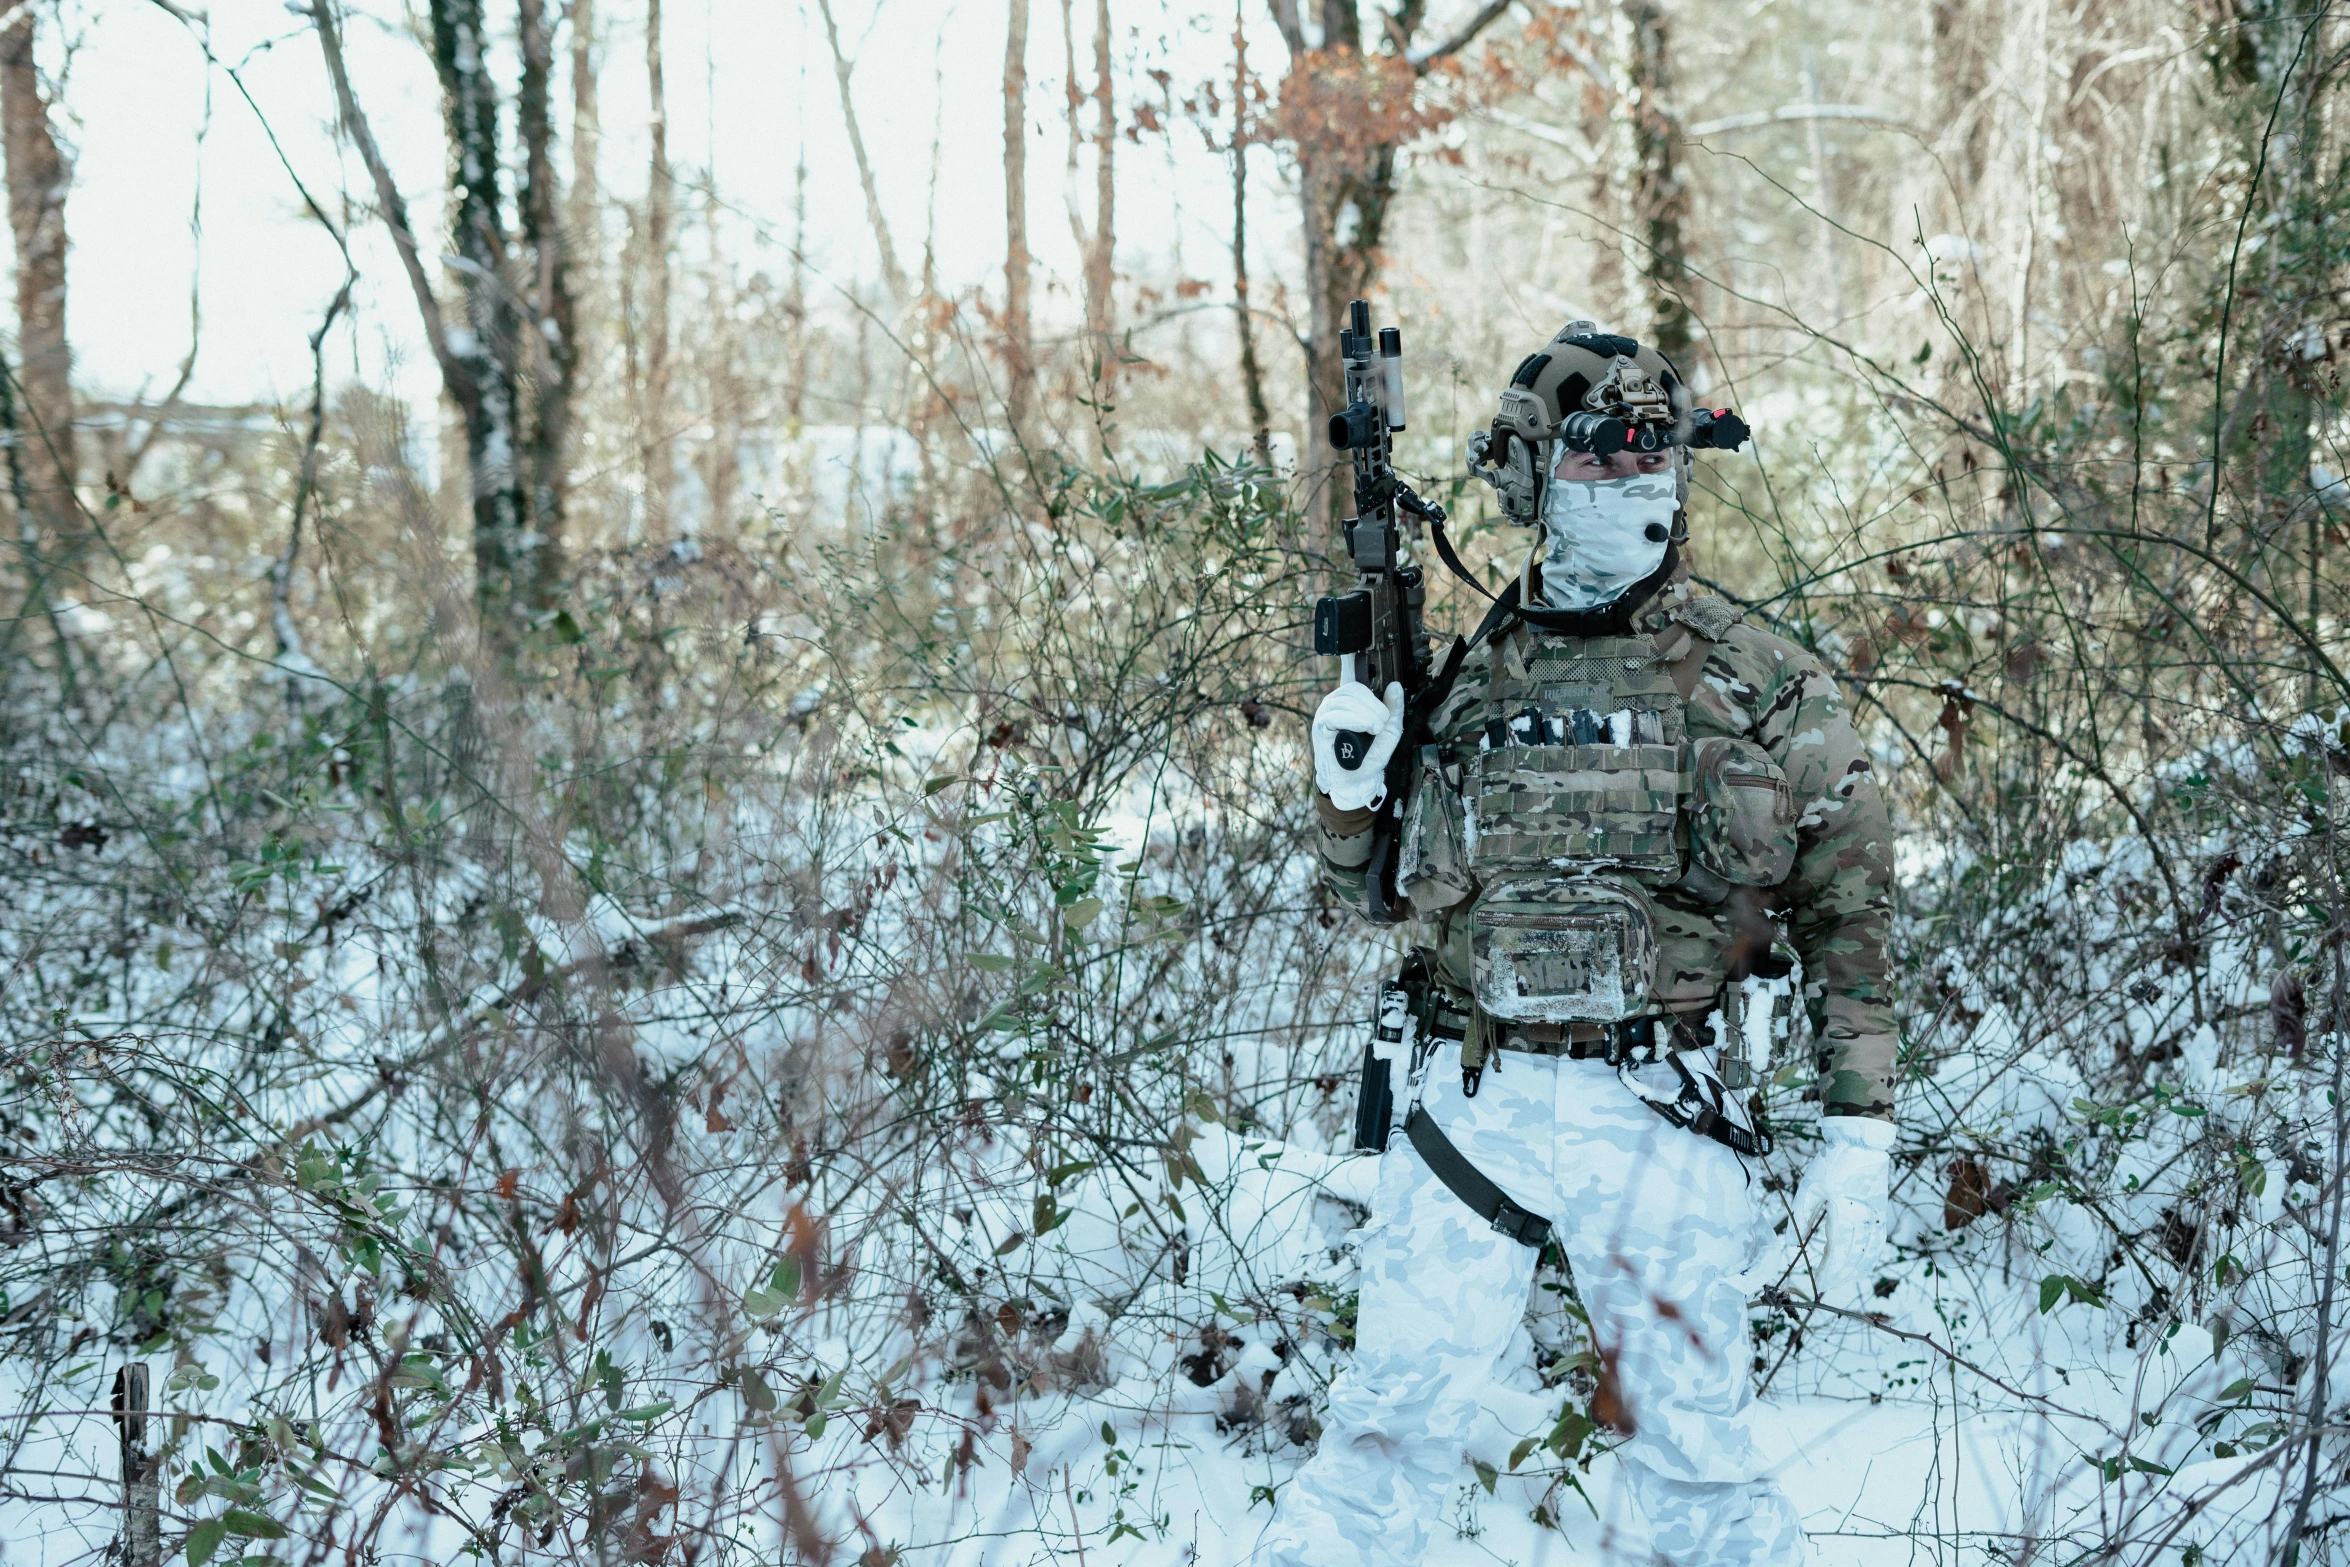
x=1560, y=392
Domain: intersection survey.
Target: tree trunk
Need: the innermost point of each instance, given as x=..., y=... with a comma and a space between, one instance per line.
x=795, y=299
x=553, y=369
x=1020, y=367
x=505, y=549
x=36, y=214
x=654, y=416
x=584, y=221
x=1100, y=314
x=1660, y=191
x=1252, y=378
x=892, y=274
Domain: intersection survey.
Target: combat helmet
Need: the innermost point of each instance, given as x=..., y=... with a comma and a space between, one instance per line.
x=1591, y=391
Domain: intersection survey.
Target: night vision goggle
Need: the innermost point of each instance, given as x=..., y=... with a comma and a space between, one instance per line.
x=1514, y=464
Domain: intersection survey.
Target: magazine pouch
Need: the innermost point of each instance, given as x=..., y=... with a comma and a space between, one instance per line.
x=1432, y=864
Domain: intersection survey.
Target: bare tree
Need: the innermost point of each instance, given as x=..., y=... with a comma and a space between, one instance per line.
x=585, y=221
x=1348, y=112
x=504, y=549
x=660, y=198
x=893, y=276
x=1659, y=188
x=1017, y=330
x=1099, y=310
x=555, y=345
x=1252, y=377
x=514, y=554
x=37, y=175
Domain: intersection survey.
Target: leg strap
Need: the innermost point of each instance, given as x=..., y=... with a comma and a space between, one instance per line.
x=1703, y=1105
x=1465, y=1181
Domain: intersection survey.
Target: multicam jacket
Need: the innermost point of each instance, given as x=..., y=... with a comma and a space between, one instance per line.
x=1835, y=902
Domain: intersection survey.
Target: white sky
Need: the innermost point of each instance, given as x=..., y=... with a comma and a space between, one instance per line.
x=148, y=121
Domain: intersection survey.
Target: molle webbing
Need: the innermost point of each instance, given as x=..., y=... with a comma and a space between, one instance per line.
x=1544, y=803
x=1541, y=807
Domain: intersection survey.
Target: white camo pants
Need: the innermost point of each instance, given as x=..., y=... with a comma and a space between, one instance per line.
x=1656, y=1222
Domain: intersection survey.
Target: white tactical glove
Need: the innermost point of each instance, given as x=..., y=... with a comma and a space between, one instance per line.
x=1354, y=735
x=1841, y=1203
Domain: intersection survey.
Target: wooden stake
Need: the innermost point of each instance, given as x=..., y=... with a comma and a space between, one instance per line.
x=141, y=1477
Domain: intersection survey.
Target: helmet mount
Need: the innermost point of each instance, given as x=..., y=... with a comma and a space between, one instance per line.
x=1596, y=392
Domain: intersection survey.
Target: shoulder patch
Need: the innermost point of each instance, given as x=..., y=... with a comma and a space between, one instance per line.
x=1709, y=616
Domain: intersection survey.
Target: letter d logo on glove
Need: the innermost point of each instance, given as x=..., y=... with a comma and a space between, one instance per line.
x=1354, y=734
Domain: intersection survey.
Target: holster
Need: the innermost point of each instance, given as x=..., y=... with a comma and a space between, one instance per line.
x=1399, y=1018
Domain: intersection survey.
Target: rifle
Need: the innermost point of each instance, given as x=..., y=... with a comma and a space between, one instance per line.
x=1378, y=629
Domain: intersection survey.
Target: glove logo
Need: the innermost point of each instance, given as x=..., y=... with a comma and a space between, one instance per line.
x=1350, y=746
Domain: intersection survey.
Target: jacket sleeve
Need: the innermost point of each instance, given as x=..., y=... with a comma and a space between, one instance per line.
x=1343, y=840
x=1839, y=899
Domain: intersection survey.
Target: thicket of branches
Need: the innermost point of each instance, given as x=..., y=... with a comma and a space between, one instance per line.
x=635, y=1019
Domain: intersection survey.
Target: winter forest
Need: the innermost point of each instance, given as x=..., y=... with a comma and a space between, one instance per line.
x=656, y=844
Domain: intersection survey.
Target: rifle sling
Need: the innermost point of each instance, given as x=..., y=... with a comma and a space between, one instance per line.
x=1465, y=1181
x=1378, y=878
x=1452, y=561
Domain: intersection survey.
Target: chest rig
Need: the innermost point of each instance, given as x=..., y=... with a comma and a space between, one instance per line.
x=1554, y=812
x=1563, y=791
x=1567, y=792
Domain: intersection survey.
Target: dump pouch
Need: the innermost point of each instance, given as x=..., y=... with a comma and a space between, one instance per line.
x=1568, y=951
x=1741, y=812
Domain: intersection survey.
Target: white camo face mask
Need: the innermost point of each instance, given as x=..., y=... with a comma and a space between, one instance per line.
x=1604, y=536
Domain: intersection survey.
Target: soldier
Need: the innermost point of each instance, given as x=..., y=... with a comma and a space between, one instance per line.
x=1629, y=799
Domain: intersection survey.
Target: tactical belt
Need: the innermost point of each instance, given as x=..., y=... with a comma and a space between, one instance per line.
x=1446, y=1022
x=1633, y=1038
x=1486, y=1200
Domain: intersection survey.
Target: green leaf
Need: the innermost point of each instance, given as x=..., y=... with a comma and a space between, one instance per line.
x=1525, y=1446
x=816, y=1423
x=934, y=785
x=1064, y=1172
x=785, y=1280
x=2051, y=1291
x=2147, y=1466
x=1082, y=913
x=204, y=1539
x=1011, y=1243
x=989, y=962
x=2242, y=1387
x=652, y=1411
x=755, y=1390
x=566, y=629
x=1566, y=1438
x=1486, y=1475
x=250, y=1525
x=759, y=1304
